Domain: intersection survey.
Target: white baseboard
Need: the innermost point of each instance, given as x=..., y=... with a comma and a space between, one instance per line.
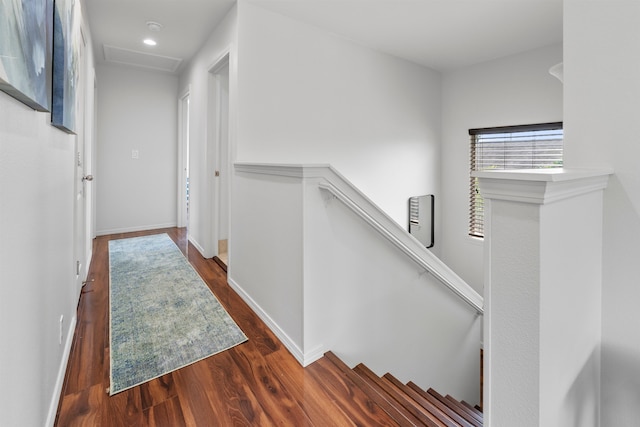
x=136, y=228
x=303, y=359
x=315, y=354
x=198, y=246
x=57, y=390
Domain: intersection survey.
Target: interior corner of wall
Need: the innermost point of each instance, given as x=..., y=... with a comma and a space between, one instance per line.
x=313, y=355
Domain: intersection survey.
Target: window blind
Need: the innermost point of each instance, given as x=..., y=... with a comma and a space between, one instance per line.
x=512, y=147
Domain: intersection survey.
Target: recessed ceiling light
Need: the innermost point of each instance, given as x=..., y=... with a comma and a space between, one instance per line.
x=149, y=42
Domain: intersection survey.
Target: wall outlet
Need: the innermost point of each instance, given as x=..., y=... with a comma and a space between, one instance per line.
x=135, y=154
x=61, y=329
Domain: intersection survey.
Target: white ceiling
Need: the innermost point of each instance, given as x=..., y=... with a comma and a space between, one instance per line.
x=440, y=34
x=121, y=24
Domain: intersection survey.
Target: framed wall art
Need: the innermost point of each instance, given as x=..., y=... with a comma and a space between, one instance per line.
x=26, y=29
x=66, y=56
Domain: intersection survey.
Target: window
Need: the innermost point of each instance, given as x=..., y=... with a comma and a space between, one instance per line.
x=511, y=147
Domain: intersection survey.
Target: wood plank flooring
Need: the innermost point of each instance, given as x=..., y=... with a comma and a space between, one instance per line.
x=257, y=383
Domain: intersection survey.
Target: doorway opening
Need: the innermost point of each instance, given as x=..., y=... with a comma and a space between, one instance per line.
x=219, y=121
x=82, y=247
x=183, y=167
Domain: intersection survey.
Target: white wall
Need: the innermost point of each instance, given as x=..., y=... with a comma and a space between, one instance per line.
x=138, y=110
x=602, y=100
x=309, y=97
x=542, y=297
x=510, y=91
x=570, y=306
x=368, y=302
x=267, y=242
x=36, y=258
x=334, y=283
x=305, y=96
x=198, y=80
x=37, y=261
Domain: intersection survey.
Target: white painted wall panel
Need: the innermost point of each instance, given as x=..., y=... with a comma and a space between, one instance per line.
x=310, y=97
x=368, y=302
x=571, y=309
x=325, y=280
x=37, y=273
x=138, y=110
x=203, y=157
x=542, y=302
x=267, y=242
x=602, y=100
x=37, y=261
x=509, y=91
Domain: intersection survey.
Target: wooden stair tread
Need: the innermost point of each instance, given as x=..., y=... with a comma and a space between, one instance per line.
x=468, y=409
x=361, y=410
x=448, y=416
x=385, y=400
x=391, y=410
x=428, y=411
x=458, y=408
x=423, y=416
x=472, y=408
x=461, y=419
x=373, y=384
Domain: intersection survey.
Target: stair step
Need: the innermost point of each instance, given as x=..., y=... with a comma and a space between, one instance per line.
x=349, y=398
x=373, y=384
x=472, y=408
x=466, y=407
x=386, y=401
x=402, y=419
x=456, y=406
x=423, y=416
x=430, y=403
x=431, y=413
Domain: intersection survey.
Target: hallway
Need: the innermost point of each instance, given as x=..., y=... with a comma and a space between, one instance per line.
x=256, y=383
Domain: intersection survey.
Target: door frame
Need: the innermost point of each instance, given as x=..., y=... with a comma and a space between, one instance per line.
x=215, y=144
x=183, y=155
x=82, y=214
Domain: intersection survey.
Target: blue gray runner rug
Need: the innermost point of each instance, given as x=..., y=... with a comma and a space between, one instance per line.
x=163, y=316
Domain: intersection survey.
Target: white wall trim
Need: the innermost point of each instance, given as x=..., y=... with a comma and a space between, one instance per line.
x=133, y=229
x=288, y=170
x=272, y=325
x=214, y=146
x=197, y=245
x=183, y=161
x=87, y=264
x=540, y=186
x=343, y=190
x=220, y=61
x=62, y=370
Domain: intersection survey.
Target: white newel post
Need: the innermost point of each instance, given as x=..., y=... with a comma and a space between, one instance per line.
x=543, y=257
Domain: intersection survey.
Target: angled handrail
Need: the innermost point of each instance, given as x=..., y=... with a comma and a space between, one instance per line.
x=336, y=185
x=440, y=271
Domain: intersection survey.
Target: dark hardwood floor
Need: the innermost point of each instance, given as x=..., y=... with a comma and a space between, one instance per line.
x=257, y=383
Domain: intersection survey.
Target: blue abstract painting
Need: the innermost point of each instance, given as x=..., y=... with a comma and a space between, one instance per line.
x=26, y=51
x=65, y=64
